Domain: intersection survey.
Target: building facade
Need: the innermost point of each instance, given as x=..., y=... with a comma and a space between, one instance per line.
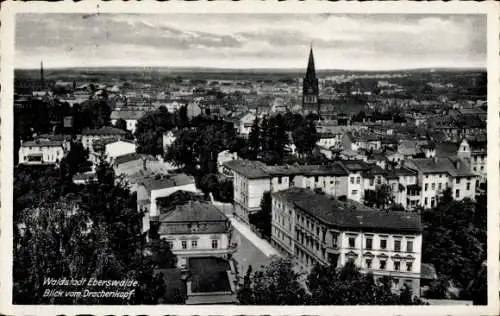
x=196, y=229
x=310, y=88
x=316, y=229
x=39, y=152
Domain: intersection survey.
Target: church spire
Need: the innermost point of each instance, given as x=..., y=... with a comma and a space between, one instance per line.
x=311, y=70
x=41, y=75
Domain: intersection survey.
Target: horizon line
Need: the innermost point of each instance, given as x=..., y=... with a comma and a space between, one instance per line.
x=254, y=69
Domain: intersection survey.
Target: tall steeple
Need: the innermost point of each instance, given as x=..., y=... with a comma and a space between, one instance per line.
x=41, y=76
x=311, y=70
x=310, y=88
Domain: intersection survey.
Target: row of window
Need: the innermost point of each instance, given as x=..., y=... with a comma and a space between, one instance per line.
x=382, y=244
x=440, y=187
x=357, y=179
x=383, y=265
x=194, y=244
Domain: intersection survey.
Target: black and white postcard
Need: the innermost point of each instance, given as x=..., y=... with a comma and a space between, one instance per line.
x=221, y=158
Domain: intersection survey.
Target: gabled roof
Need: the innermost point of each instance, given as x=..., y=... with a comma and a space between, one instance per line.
x=166, y=181
x=42, y=143
x=194, y=212
x=127, y=115
x=107, y=130
x=350, y=214
x=453, y=166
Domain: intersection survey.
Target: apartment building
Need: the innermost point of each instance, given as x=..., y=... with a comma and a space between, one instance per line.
x=41, y=151
x=437, y=174
x=90, y=135
x=317, y=229
x=474, y=153
x=404, y=186
x=252, y=178
x=195, y=229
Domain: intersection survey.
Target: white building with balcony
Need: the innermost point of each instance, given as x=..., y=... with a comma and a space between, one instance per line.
x=316, y=229
x=196, y=229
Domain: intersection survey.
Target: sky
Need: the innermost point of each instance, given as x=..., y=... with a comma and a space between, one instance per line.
x=355, y=42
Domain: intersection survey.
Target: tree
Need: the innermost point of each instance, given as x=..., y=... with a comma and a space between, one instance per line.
x=90, y=231
x=254, y=141
x=262, y=219
x=347, y=286
x=381, y=197
x=76, y=161
x=305, y=137
x=150, y=129
x=121, y=124
x=276, y=284
x=454, y=238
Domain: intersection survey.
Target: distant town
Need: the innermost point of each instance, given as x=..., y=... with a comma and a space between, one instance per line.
x=260, y=187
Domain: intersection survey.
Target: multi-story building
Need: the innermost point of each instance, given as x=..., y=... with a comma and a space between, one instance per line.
x=474, y=153
x=404, y=186
x=90, y=135
x=438, y=174
x=317, y=229
x=129, y=116
x=41, y=151
x=152, y=187
x=252, y=178
x=195, y=230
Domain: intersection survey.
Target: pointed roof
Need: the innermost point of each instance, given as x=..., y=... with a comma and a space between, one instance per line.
x=311, y=70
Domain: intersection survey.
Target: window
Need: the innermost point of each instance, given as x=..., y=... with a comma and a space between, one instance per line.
x=425, y=201
x=426, y=186
x=482, y=168
x=352, y=242
x=468, y=185
x=170, y=244
x=369, y=243
x=352, y=180
x=354, y=192
x=397, y=245
x=316, y=179
x=215, y=244
x=368, y=263
x=457, y=180
x=371, y=181
x=184, y=244
x=383, y=244
x=409, y=266
x=379, y=180
x=433, y=186
x=409, y=246
x=382, y=264
x=475, y=169
x=440, y=186
x=358, y=180
x=457, y=193
x=194, y=244
x=397, y=265
x=279, y=180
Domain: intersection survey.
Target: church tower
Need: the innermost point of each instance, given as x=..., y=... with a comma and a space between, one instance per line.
x=42, y=82
x=310, y=89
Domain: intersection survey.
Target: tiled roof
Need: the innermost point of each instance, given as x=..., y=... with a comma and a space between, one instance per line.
x=248, y=168
x=450, y=165
x=131, y=157
x=127, y=115
x=107, y=130
x=194, y=212
x=42, y=143
x=166, y=181
x=350, y=214
x=355, y=165
x=446, y=149
x=396, y=173
x=257, y=169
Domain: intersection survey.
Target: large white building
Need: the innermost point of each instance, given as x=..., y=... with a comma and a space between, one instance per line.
x=474, y=153
x=252, y=178
x=316, y=229
x=41, y=151
x=195, y=229
x=438, y=174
